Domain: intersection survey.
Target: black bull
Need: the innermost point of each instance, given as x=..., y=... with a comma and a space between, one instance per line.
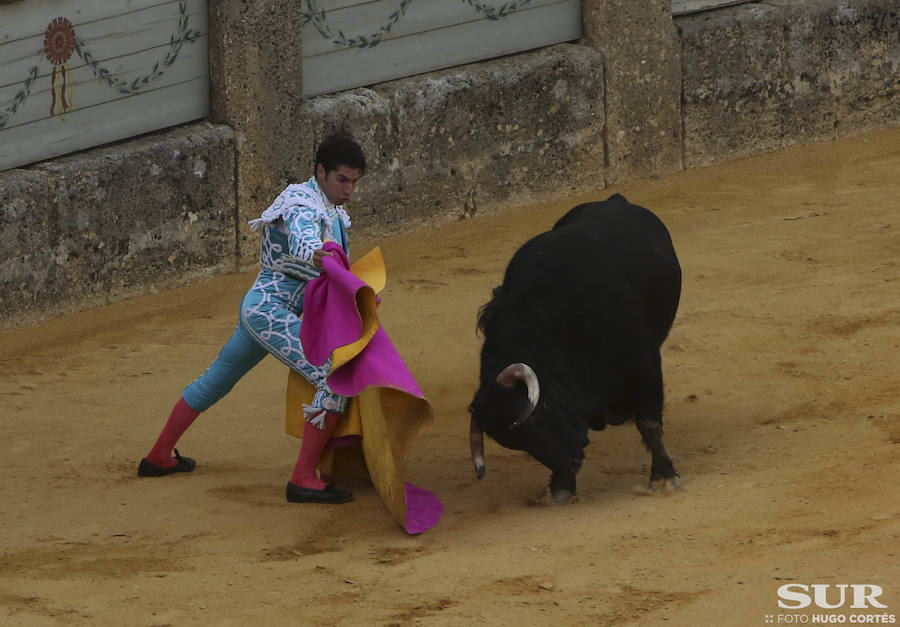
x=572, y=339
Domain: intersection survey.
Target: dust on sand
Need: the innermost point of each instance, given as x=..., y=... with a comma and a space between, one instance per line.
x=782, y=418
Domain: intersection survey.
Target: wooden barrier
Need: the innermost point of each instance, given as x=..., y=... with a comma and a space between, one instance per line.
x=352, y=43
x=79, y=73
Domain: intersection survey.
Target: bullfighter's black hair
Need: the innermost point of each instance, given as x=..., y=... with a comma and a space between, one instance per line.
x=340, y=149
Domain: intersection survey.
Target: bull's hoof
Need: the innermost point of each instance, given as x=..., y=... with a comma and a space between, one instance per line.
x=668, y=484
x=554, y=497
x=561, y=497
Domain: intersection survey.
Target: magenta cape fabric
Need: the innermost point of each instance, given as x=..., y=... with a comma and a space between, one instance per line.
x=330, y=320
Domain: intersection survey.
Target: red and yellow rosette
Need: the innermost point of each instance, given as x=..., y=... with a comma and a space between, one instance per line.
x=59, y=44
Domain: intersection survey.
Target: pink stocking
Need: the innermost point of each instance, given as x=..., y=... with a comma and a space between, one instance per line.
x=182, y=416
x=314, y=441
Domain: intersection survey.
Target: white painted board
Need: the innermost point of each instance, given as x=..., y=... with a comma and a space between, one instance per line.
x=352, y=43
x=684, y=7
x=80, y=73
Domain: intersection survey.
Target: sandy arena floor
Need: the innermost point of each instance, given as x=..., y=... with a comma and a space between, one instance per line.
x=782, y=415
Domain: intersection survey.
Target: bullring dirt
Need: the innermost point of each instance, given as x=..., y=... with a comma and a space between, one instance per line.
x=782, y=417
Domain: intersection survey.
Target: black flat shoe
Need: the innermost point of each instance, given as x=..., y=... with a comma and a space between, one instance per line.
x=184, y=464
x=331, y=494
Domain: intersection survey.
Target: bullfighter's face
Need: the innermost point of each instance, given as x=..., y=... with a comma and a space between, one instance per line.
x=338, y=184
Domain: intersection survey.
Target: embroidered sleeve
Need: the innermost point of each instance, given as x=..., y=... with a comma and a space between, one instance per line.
x=305, y=234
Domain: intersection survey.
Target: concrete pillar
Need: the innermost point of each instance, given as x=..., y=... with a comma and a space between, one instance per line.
x=642, y=69
x=256, y=84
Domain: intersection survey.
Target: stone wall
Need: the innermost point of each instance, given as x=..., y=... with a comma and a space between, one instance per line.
x=765, y=76
x=455, y=142
x=640, y=95
x=99, y=226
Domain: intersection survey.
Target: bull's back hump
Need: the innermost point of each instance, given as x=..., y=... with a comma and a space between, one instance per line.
x=607, y=248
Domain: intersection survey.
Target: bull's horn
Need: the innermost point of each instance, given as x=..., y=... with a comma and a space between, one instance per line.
x=521, y=372
x=476, y=442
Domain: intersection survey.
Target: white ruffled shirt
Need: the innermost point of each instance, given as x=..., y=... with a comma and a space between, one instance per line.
x=306, y=215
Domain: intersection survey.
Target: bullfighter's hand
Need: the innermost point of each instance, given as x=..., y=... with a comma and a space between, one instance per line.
x=317, y=257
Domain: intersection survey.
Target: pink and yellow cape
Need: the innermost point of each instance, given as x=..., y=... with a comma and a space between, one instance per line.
x=387, y=410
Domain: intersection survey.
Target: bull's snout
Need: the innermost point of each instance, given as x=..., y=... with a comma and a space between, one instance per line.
x=476, y=443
